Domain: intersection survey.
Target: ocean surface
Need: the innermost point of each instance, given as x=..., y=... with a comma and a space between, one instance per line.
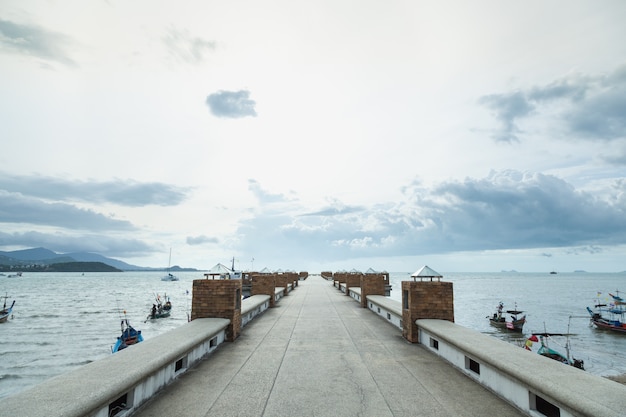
x=65, y=320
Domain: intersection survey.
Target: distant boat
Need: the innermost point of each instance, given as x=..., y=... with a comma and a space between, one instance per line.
x=169, y=276
x=16, y=275
x=6, y=312
x=515, y=324
x=553, y=272
x=129, y=337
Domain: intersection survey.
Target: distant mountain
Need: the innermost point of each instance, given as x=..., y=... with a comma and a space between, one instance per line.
x=47, y=257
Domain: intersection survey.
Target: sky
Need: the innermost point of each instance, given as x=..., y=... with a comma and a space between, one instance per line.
x=330, y=135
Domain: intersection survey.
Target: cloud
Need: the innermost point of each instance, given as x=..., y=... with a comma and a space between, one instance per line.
x=588, y=107
x=124, y=193
x=15, y=208
x=101, y=243
x=187, y=48
x=505, y=210
x=199, y=240
x=263, y=196
x=35, y=41
x=231, y=104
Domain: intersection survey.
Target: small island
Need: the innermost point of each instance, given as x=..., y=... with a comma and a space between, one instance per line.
x=63, y=267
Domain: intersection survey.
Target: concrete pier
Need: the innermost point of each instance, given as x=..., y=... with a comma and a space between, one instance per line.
x=318, y=353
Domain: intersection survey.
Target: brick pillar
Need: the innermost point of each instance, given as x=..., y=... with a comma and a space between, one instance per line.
x=264, y=284
x=371, y=284
x=425, y=300
x=218, y=298
x=352, y=280
x=282, y=280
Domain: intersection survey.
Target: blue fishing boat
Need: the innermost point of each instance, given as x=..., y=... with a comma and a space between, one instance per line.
x=130, y=336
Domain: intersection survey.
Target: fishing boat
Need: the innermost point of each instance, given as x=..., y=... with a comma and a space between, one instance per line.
x=609, y=316
x=499, y=319
x=6, y=312
x=551, y=353
x=129, y=336
x=169, y=276
x=159, y=309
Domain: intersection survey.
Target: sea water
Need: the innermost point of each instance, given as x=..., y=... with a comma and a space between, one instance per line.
x=65, y=320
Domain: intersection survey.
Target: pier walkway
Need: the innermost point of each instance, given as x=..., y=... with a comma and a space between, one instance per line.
x=318, y=353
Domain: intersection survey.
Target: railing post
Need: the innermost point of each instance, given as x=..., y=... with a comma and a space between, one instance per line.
x=425, y=300
x=265, y=284
x=371, y=284
x=218, y=298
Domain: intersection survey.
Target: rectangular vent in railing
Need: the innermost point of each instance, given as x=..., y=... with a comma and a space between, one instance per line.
x=378, y=310
x=543, y=406
x=213, y=342
x=472, y=365
x=118, y=405
x=434, y=343
x=179, y=364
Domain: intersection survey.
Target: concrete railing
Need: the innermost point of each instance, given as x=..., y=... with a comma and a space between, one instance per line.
x=535, y=384
x=385, y=307
x=253, y=306
x=390, y=310
x=119, y=384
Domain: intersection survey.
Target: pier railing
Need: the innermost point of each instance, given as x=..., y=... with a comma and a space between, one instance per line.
x=119, y=384
x=536, y=385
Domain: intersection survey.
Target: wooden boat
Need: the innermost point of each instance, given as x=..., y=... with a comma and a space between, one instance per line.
x=6, y=312
x=609, y=316
x=548, y=352
x=159, y=309
x=515, y=324
x=129, y=337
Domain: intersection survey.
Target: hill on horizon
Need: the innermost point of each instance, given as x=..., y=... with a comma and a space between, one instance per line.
x=46, y=256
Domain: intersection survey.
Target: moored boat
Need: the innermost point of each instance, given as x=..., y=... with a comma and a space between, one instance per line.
x=553, y=354
x=6, y=311
x=609, y=316
x=515, y=322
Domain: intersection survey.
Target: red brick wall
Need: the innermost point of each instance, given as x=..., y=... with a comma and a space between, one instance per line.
x=352, y=280
x=372, y=284
x=425, y=300
x=218, y=298
x=264, y=284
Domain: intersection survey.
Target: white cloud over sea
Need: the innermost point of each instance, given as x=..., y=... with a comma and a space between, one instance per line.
x=313, y=138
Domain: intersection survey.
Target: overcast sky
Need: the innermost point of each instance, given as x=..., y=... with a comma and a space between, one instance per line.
x=325, y=135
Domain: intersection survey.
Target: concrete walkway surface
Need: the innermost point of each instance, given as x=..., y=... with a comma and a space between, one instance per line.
x=318, y=353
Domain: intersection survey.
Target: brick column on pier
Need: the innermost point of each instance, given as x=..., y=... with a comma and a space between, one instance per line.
x=218, y=298
x=371, y=284
x=425, y=300
x=353, y=280
x=282, y=280
x=264, y=284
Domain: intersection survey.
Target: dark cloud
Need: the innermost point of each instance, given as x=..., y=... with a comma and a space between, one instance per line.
x=188, y=48
x=199, y=240
x=506, y=210
x=15, y=208
x=124, y=193
x=102, y=243
x=35, y=41
x=231, y=104
x=507, y=108
x=589, y=107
